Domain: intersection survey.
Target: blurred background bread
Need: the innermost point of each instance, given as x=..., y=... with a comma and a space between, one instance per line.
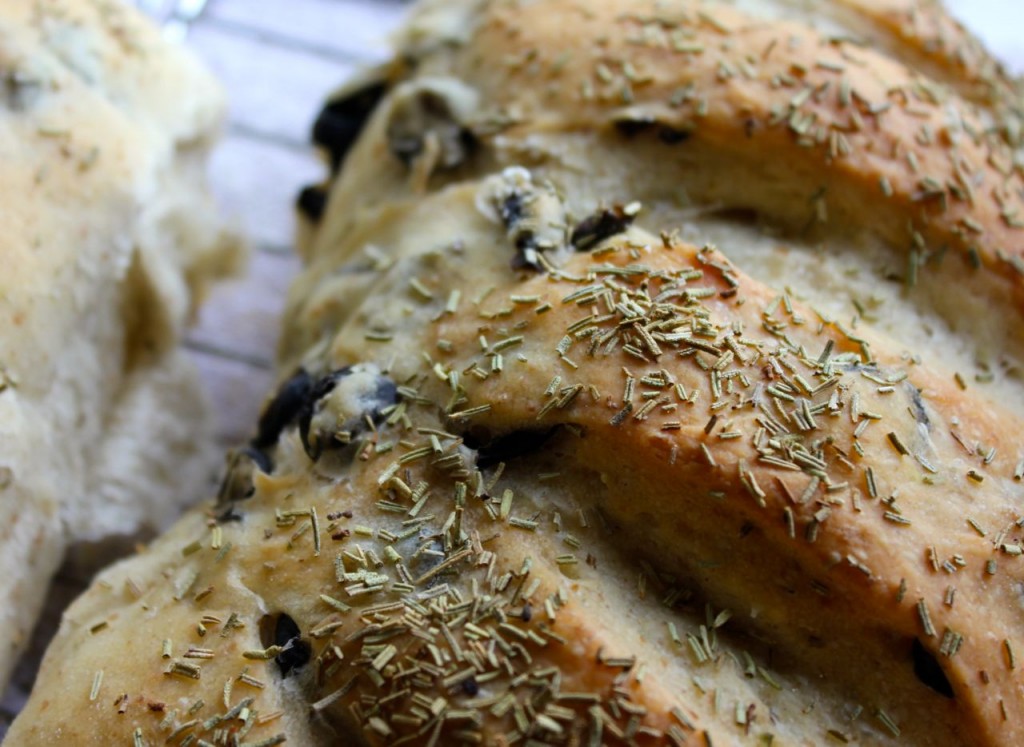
x=111, y=240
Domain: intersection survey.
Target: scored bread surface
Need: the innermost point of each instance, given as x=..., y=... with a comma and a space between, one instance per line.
x=654, y=378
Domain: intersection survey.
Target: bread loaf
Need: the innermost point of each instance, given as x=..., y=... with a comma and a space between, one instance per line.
x=654, y=379
x=110, y=239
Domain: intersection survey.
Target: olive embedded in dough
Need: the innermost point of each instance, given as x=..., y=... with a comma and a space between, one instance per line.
x=631, y=123
x=603, y=224
x=508, y=446
x=340, y=405
x=312, y=201
x=282, y=630
x=429, y=119
x=342, y=120
x=283, y=409
x=238, y=484
x=534, y=217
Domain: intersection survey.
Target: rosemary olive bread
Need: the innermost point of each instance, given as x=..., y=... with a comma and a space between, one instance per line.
x=109, y=239
x=547, y=467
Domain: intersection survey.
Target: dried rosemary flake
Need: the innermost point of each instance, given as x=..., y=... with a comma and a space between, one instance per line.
x=97, y=682
x=925, y=617
x=185, y=669
x=468, y=413
x=887, y=722
x=506, y=503
x=315, y=525
x=452, y=304
x=951, y=643
x=787, y=515
x=528, y=524
x=897, y=443
x=417, y=286
x=270, y=652
x=251, y=681
x=184, y=584
x=896, y=518
x=194, y=652
x=386, y=655
x=872, y=487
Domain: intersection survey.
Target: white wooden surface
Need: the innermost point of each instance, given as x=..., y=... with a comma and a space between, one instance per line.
x=278, y=59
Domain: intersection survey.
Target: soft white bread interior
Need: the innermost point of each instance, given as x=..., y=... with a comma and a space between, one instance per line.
x=110, y=239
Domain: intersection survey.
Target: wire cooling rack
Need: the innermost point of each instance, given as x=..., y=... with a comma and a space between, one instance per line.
x=277, y=59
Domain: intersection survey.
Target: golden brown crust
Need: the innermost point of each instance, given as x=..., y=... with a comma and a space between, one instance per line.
x=842, y=117
x=535, y=473
x=926, y=37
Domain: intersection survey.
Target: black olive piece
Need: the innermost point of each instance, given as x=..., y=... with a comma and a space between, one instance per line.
x=283, y=409
x=672, y=135
x=470, y=687
x=282, y=630
x=342, y=120
x=429, y=112
x=928, y=670
x=512, y=209
x=407, y=147
x=527, y=613
x=318, y=391
x=260, y=458
x=237, y=484
x=509, y=446
x=228, y=515
x=384, y=395
x=633, y=126
x=520, y=260
x=534, y=220
x=312, y=201
x=600, y=226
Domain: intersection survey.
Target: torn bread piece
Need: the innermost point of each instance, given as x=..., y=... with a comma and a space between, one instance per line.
x=110, y=241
